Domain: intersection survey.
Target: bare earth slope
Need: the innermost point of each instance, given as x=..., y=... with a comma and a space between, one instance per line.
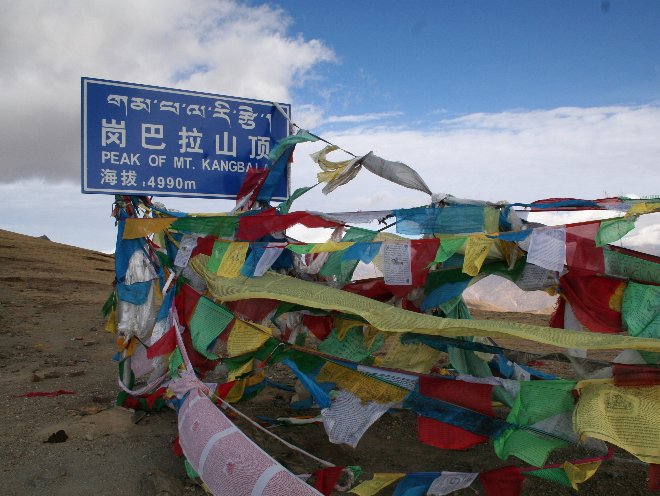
x=52, y=338
x=51, y=331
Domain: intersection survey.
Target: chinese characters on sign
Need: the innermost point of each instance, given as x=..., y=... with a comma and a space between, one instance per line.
x=144, y=140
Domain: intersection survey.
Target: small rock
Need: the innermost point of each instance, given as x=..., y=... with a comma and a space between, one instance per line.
x=76, y=373
x=57, y=437
x=89, y=343
x=53, y=374
x=93, y=329
x=101, y=399
x=36, y=378
x=77, y=338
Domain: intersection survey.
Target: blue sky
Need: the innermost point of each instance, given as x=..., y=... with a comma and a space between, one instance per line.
x=491, y=100
x=439, y=58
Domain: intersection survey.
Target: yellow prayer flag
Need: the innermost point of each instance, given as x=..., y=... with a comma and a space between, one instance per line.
x=476, y=250
x=391, y=319
x=139, y=228
x=413, y=357
x=233, y=260
x=364, y=387
x=577, y=474
x=642, y=208
x=624, y=416
x=330, y=246
x=378, y=482
x=111, y=323
x=244, y=338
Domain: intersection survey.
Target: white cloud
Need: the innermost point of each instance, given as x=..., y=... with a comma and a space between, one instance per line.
x=358, y=118
x=218, y=46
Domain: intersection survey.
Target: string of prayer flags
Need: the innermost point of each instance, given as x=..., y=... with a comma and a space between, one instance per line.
x=449, y=219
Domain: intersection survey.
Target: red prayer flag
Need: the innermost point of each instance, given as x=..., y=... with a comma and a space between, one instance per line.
x=253, y=227
x=164, y=345
x=254, y=309
x=590, y=298
x=186, y=302
x=326, y=479
x=654, y=477
x=319, y=325
x=468, y=395
x=635, y=375
x=254, y=180
x=582, y=254
x=505, y=481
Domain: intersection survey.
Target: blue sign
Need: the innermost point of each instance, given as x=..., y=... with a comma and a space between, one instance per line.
x=147, y=140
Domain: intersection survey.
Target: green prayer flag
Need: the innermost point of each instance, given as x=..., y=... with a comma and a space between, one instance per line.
x=301, y=249
x=352, y=347
x=613, y=230
x=176, y=361
x=537, y=400
x=223, y=226
x=218, y=253
x=625, y=266
x=447, y=248
x=285, y=206
x=640, y=310
x=206, y=324
x=552, y=474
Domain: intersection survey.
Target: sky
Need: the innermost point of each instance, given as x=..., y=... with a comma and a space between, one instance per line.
x=491, y=100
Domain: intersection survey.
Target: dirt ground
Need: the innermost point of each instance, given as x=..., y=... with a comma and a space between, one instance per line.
x=52, y=338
